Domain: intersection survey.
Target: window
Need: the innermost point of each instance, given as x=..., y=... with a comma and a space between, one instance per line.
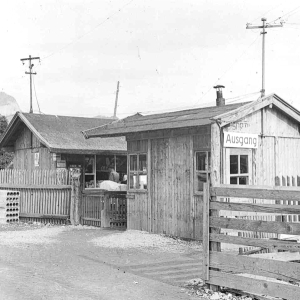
x=89, y=171
x=97, y=168
x=239, y=169
x=202, y=169
x=138, y=171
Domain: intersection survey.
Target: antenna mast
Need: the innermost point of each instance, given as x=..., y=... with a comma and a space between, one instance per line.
x=264, y=26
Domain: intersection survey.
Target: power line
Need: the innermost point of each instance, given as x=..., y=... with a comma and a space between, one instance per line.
x=292, y=12
x=264, y=14
x=234, y=99
x=230, y=67
x=240, y=97
x=36, y=96
x=94, y=28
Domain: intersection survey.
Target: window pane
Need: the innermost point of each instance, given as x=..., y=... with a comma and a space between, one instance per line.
x=200, y=179
x=243, y=180
x=89, y=181
x=208, y=161
x=243, y=164
x=234, y=164
x=143, y=162
x=122, y=167
x=143, y=182
x=105, y=162
x=200, y=161
x=132, y=181
x=121, y=164
x=89, y=163
x=233, y=180
x=133, y=163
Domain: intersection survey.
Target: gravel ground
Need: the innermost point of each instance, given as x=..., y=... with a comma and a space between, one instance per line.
x=134, y=239
x=22, y=235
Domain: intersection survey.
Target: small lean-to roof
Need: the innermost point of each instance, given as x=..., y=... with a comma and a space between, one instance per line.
x=172, y=120
x=62, y=133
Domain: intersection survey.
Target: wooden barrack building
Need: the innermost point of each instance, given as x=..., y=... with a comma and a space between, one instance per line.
x=171, y=155
x=50, y=142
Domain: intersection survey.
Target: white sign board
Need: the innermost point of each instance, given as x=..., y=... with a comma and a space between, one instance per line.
x=36, y=159
x=240, y=140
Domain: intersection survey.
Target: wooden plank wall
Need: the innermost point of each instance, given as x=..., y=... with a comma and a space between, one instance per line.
x=170, y=206
x=44, y=194
x=25, y=148
x=275, y=161
x=37, y=177
x=138, y=212
x=288, y=169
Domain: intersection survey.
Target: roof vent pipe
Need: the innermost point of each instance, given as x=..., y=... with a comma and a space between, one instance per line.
x=220, y=99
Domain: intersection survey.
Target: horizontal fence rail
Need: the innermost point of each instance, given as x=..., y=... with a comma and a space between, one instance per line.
x=270, y=273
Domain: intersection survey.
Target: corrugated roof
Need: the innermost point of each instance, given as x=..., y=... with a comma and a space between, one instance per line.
x=63, y=133
x=179, y=119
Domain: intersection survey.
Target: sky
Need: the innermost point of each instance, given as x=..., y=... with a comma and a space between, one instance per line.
x=167, y=54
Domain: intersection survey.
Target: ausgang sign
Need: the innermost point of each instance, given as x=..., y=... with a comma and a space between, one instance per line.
x=240, y=140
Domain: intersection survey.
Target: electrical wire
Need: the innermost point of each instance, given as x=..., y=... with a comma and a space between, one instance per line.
x=264, y=14
x=88, y=32
x=36, y=95
x=212, y=103
x=241, y=97
x=292, y=12
x=230, y=66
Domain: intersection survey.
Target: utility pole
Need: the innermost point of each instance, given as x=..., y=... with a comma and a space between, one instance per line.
x=30, y=73
x=116, y=101
x=264, y=26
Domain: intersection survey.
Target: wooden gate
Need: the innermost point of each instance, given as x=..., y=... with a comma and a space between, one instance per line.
x=104, y=209
x=272, y=274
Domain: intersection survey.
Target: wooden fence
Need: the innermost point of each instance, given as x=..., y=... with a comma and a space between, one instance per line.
x=104, y=208
x=44, y=194
x=273, y=274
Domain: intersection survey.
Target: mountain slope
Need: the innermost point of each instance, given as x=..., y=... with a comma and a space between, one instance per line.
x=8, y=106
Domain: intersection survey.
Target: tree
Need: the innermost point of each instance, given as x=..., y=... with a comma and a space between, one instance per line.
x=5, y=157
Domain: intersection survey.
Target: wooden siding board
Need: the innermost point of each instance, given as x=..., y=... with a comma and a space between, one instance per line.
x=257, y=226
x=255, y=242
x=255, y=266
x=255, y=286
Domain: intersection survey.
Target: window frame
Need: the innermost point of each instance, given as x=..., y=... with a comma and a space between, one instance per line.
x=94, y=173
x=207, y=170
x=239, y=152
x=137, y=172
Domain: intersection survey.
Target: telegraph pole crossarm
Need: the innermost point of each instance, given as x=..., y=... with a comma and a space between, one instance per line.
x=30, y=73
x=263, y=26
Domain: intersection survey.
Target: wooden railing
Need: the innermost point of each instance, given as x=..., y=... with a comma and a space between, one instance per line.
x=256, y=274
x=104, y=208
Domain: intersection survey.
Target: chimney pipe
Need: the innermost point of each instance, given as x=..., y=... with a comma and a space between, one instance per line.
x=220, y=100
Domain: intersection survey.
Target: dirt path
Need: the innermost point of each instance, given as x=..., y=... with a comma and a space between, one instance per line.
x=40, y=262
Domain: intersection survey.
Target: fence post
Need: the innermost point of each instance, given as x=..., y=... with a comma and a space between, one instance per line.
x=205, y=240
x=75, y=199
x=105, y=212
